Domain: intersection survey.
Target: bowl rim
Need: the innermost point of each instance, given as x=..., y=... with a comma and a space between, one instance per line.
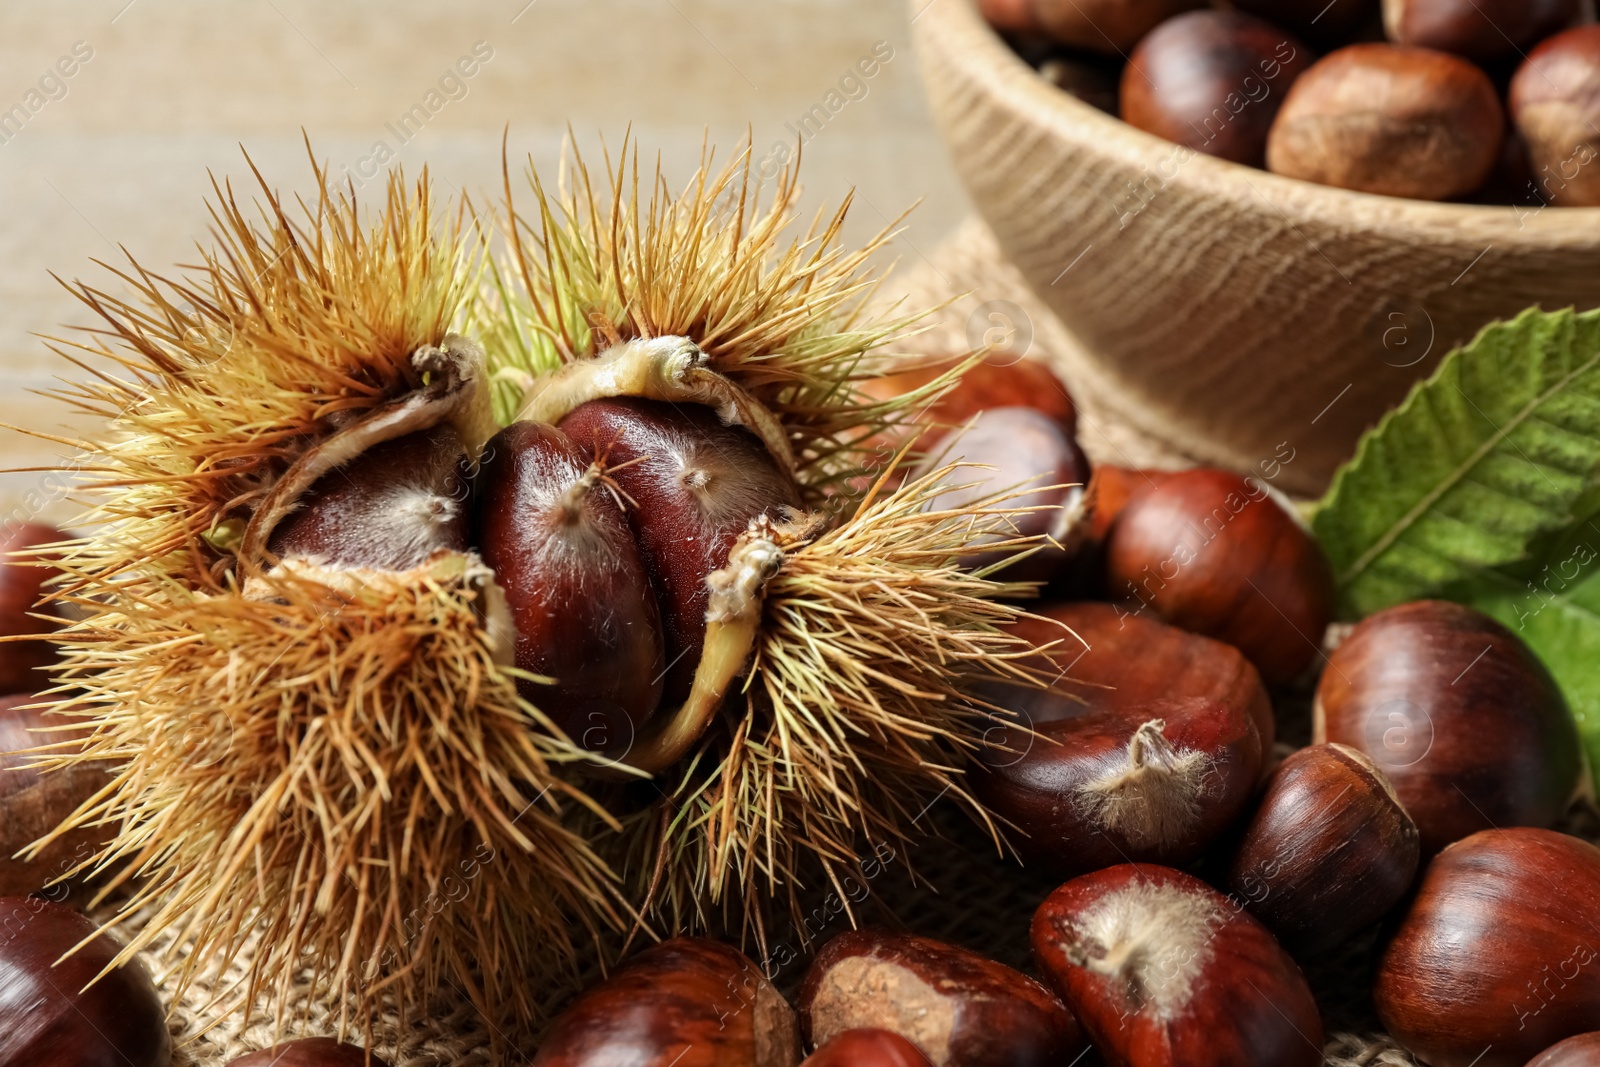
x=990, y=60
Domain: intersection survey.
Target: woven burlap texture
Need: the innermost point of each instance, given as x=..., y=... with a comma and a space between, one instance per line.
x=962, y=890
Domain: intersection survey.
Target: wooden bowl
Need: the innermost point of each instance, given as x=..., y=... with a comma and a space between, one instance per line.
x=1230, y=312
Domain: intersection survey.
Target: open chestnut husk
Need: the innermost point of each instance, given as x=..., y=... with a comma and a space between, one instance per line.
x=22, y=579
x=688, y=1002
x=1462, y=718
x=1215, y=553
x=867, y=1048
x=959, y=1008
x=35, y=801
x=1329, y=851
x=50, y=1013
x=310, y=1052
x=1580, y=1051
x=1163, y=971
x=1148, y=749
x=1496, y=958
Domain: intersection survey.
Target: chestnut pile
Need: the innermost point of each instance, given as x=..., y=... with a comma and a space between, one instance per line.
x=1204, y=861
x=1493, y=101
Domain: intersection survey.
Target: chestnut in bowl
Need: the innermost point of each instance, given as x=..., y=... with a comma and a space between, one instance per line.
x=1480, y=30
x=1555, y=103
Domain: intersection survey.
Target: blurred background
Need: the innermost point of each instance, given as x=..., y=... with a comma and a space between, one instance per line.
x=113, y=111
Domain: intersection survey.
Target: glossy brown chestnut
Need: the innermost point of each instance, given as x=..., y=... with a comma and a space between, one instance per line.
x=1212, y=80
x=1163, y=971
x=1105, y=25
x=48, y=1018
x=1327, y=22
x=961, y=1009
x=1006, y=449
x=1580, y=1051
x=694, y=484
x=585, y=615
x=389, y=508
x=1463, y=719
x=688, y=1002
x=1390, y=119
x=1481, y=30
x=1328, y=852
x=1110, y=489
x=33, y=802
x=1498, y=956
x=1148, y=750
x=1003, y=380
x=311, y=1052
x=1215, y=553
x=21, y=586
x=867, y=1048
x=1555, y=103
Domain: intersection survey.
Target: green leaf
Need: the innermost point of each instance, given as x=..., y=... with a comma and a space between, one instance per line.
x=1491, y=453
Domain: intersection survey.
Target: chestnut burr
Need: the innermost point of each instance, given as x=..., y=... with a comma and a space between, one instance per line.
x=1328, y=852
x=1498, y=956
x=54, y=1016
x=959, y=1008
x=1462, y=718
x=688, y=1002
x=1163, y=971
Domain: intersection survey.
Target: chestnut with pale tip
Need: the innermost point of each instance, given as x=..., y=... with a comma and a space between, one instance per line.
x=66, y=1013
x=687, y=1002
x=1113, y=26
x=1498, y=955
x=1212, y=81
x=1555, y=103
x=1390, y=119
x=867, y=1048
x=959, y=1008
x=1580, y=1051
x=1462, y=718
x=1329, y=851
x=1480, y=30
x=310, y=1052
x=1149, y=749
x=35, y=801
x=23, y=575
x=1215, y=553
x=1164, y=971
x=1016, y=458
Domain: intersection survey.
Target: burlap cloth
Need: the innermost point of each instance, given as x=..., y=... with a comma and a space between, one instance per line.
x=962, y=890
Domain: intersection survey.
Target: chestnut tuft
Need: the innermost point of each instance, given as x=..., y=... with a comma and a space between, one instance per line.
x=53, y=1014
x=1212, y=80
x=959, y=1008
x=33, y=802
x=21, y=586
x=1580, y=1051
x=1481, y=30
x=310, y=1052
x=1148, y=749
x=1498, y=956
x=1555, y=103
x=867, y=1048
x=693, y=485
x=1106, y=25
x=688, y=1002
x=1329, y=851
x=1215, y=553
x=552, y=527
x=389, y=508
x=1466, y=723
x=1390, y=119
x=1007, y=449
x=1163, y=971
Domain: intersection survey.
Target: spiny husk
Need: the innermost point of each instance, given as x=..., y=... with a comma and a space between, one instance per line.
x=859, y=713
x=782, y=317
x=371, y=801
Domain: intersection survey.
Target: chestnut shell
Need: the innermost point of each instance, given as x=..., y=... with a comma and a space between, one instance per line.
x=309, y=1052
x=867, y=1048
x=21, y=586
x=34, y=802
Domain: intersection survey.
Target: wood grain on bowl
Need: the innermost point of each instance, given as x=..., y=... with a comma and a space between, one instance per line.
x=1229, y=310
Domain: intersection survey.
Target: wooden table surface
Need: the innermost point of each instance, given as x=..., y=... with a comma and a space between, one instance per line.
x=116, y=155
